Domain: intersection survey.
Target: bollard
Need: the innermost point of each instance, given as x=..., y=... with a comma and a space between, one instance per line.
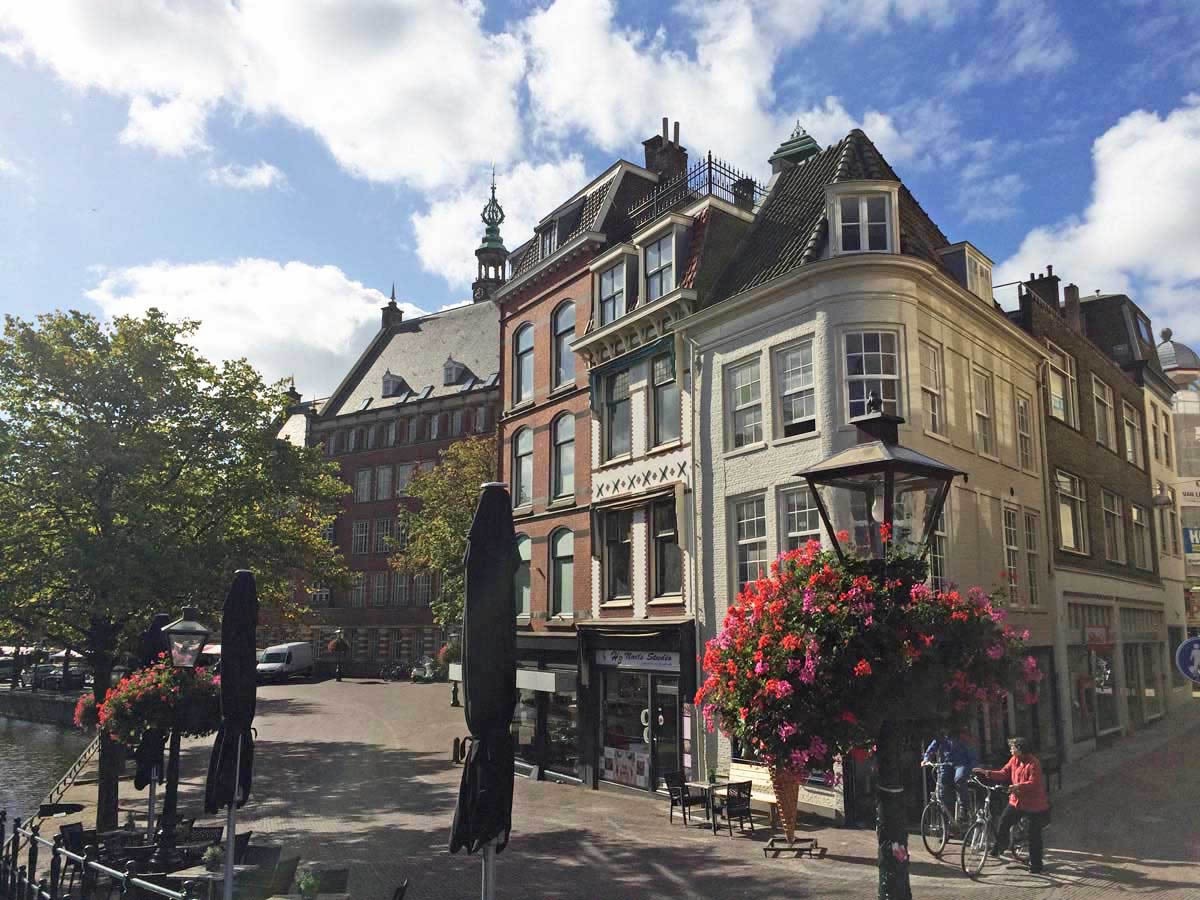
x=454, y=751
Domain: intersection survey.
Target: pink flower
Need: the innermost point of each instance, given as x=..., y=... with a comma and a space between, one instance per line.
x=760, y=667
x=900, y=852
x=995, y=651
x=817, y=748
x=786, y=730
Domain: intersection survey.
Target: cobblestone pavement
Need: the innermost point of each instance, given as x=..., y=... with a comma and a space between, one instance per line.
x=358, y=772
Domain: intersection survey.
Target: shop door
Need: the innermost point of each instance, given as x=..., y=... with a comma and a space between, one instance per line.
x=664, y=724
x=1133, y=684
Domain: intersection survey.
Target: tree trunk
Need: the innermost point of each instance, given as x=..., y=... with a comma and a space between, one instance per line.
x=111, y=757
x=891, y=827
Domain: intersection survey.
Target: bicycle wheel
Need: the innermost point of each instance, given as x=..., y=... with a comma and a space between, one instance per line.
x=934, y=828
x=1020, y=840
x=976, y=844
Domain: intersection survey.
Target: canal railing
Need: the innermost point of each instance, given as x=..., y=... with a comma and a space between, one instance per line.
x=33, y=880
x=64, y=784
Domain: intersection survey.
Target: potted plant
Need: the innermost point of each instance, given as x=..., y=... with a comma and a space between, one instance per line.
x=306, y=884
x=712, y=774
x=214, y=858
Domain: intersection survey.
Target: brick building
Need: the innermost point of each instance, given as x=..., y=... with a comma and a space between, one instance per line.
x=420, y=385
x=1106, y=571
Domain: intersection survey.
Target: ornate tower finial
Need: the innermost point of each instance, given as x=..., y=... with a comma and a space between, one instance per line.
x=491, y=253
x=798, y=131
x=393, y=292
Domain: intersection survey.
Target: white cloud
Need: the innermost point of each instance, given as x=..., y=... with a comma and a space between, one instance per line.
x=9, y=169
x=1139, y=233
x=248, y=178
x=451, y=228
x=403, y=91
x=172, y=127
x=1024, y=37
x=286, y=318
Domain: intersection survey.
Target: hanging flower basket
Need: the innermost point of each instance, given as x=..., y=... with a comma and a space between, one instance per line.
x=159, y=698
x=787, y=798
x=86, y=717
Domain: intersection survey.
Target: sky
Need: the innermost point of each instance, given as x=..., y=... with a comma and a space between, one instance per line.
x=270, y=169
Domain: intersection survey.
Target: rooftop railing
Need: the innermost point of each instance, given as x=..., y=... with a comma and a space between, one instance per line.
x=709, y=177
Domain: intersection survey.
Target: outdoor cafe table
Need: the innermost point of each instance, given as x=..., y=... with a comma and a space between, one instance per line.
x=203, y=873
x=708, y=788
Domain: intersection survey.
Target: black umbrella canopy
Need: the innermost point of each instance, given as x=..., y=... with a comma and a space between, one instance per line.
x=238, y=665
x=489, y=662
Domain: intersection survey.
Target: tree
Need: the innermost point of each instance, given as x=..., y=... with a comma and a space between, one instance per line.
x=135, y=477
x=822, y=658
x=436, y=530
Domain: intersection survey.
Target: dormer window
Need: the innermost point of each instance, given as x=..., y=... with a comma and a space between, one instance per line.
x=452, y=371
x=660, y=268
x=863, y=223
x=612, y=293
x=979, y=278
x=393, y=385
x=548, y=239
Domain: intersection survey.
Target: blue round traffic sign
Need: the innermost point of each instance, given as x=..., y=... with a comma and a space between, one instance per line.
x=1187, y=659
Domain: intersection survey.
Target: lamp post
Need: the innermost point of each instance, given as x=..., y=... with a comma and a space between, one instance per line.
x=885, y=498
x=186, y=638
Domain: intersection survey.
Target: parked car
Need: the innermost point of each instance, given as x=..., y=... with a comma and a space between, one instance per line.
x=281, y=662
x=6, y=668
x=49, y=677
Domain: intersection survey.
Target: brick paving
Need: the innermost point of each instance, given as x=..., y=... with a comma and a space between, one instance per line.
x=358, y=772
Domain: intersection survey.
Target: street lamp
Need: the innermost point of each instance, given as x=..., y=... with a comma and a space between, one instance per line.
x=186, y=638
x=886, y=499
x=879, y=482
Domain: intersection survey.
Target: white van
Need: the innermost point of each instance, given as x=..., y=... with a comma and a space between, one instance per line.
x=281, y=662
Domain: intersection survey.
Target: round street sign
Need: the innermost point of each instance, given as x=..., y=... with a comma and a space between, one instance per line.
x=1187, y=658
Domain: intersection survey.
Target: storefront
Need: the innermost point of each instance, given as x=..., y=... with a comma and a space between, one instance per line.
x=545, y=724
x=1144, y=654
x=639, y=679
x=1091, y=672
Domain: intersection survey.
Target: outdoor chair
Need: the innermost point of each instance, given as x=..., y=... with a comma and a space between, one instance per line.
x=333, y=881
x=206, y=834
x=734, y=805
x=285, y=874
x=255, y=884
x=240, y=842
x=401, y=891
x=680, y=796
x=73, y=839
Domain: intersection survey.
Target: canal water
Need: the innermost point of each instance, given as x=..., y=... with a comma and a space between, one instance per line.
x=33, y=757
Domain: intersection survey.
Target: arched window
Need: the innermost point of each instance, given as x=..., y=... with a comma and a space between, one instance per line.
x=523, y=364
x=522, y=470
x=562, y=476
x=521, y=581
x=562, y=573
x=563, y=326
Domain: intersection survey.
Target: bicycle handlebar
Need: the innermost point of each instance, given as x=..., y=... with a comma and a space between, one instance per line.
x=937, y=765
x=975, y=779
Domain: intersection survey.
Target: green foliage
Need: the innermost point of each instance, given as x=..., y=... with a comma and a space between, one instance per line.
x=437, y=531
x=136, y=476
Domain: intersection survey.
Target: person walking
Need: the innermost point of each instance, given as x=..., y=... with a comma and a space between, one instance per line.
x=1027, y=798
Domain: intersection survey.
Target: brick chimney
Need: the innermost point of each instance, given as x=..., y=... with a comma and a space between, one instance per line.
x=664, y=155
x=1071, y=310
x=392, y=314
x=1045, y=287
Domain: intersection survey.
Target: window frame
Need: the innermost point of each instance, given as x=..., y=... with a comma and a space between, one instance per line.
x=383, y=534
x=660, y=539
x=932, y=396
x=939, y=550
x=757, y=541
x=379, y=589
x=360, y=537
x=401, y=484
x=557, y=595
x=522, y=468
x=617, y=297
x=561, y=337
x=1026, y=457
x=660, y=391
x=1071, y=386
x=1143, y=546
x=363, y=490
x=867, y=378
x=984, y=420
x=522, y=392
x=737, y=407
x=805, y=393
x=612, y=407
x=557, y=445
x=423, y=589
x=1113, y=514
x=863, y=222
x=1079, y=500
x=1011, y=530
x=1032, y=556
x=663, y=271
x=797, y=537
x=1102, y=396
x=618, y=532
x=1135, y=453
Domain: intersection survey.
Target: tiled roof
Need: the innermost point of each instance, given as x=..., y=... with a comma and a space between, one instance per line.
x=687, y=277
x=416, y=350
x=791, y=229
x=528, y=255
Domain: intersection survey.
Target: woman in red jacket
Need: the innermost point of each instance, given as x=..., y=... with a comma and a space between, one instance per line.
x=1027, y=797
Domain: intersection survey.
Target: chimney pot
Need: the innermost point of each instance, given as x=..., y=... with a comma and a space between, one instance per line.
x=664, y=129
x=1049, y=270
x=1071, y=309
x=1031, y=276
x=676, y=134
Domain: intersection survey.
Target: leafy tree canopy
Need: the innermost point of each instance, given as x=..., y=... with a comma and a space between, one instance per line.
x=437, y=530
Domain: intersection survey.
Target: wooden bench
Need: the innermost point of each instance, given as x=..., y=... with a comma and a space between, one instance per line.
x=762, y=793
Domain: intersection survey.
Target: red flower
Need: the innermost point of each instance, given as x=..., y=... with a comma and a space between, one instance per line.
x=862, y=668
x=885, y=531
x=848, y=717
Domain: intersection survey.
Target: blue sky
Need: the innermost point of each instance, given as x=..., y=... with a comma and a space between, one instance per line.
x=271, y=168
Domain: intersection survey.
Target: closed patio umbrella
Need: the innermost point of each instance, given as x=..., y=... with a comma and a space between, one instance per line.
x=148, y=758
x=232, y=762
x=483, y=816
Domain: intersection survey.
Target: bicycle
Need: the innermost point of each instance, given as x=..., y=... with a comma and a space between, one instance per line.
x=981, y=836
x=394, y=672
x=938, y=823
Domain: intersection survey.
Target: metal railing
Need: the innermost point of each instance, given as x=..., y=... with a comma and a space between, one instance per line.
x=64, y=784
x=709, y=177
x=27, y=880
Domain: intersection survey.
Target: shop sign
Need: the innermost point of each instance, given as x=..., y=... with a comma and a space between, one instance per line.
x=1191, y=541
x=654, y=660
x=1096, y=636
x=1187, y=658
